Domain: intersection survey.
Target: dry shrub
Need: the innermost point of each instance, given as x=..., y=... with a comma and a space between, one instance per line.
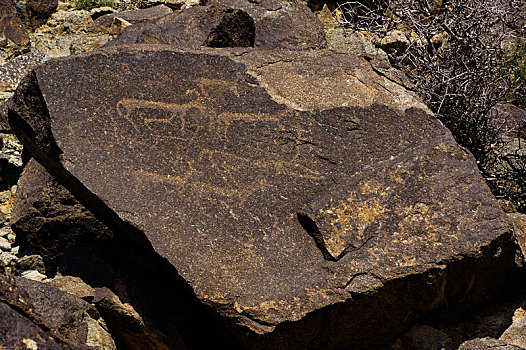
x=464, y=57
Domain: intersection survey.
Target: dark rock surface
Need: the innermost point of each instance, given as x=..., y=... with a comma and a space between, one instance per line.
x=487, y=344
x=61, y=312
x=236, y=29
x=104, y=23
x=278, y=24
x=11, y=28
x=38, y=316
x=422, y=337
x=47, y=219
x=125, y=324
x=4, y=124
x=295, y=227
x=35, y=12
x=9, y=173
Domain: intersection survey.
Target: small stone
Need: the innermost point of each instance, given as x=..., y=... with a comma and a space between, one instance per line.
x=516, y=333
x=75, y=286
x=15, y=250
x=30, y=263
x=34, y=275
x=5, y=246
x=7, y=258
x=11, y=237
x=4, y=231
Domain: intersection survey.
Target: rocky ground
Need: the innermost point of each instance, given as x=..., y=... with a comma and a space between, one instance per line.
x=60, y=240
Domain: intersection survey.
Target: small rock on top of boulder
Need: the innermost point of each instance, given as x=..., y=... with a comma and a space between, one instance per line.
x=296, y=224
x=232, y=23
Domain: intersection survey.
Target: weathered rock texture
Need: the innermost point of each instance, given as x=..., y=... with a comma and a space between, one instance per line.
x=296, y=215
x=125, y=324
x=487, y=344
x=35, y=12
x=11, y=28
x=276, y=24
x=109, y=22
x=516, y=333
x=518, y=221
x=47, y=219
x=13, y=71
x=38, y=316
x=4, y=124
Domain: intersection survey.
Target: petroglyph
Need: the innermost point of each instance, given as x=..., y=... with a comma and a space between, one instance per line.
x=222, y=170
x=164, y=119
x=205, y=170
x=181, y=121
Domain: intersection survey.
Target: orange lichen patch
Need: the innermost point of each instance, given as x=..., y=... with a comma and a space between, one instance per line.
x=420, y=218
x=347, y=222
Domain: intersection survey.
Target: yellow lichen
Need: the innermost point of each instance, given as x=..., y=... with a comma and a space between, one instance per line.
x=349, y=218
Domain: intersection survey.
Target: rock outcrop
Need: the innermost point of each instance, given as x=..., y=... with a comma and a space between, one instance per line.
x=47, y=219
x=11, y=27
x=487, y=344
x=35, y=315
x=276, y=24
x=294, y=192
x=35, y=12
x=111, y=23
x=222, y=179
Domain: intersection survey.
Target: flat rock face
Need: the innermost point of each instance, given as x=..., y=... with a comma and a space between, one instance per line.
x=105, y=22
x=285, y=216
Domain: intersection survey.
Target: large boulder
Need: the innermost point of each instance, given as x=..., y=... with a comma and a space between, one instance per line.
x=303, y=202
x=267, y=24
x=34, y=13
x=47, y=219
x=11, y=28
